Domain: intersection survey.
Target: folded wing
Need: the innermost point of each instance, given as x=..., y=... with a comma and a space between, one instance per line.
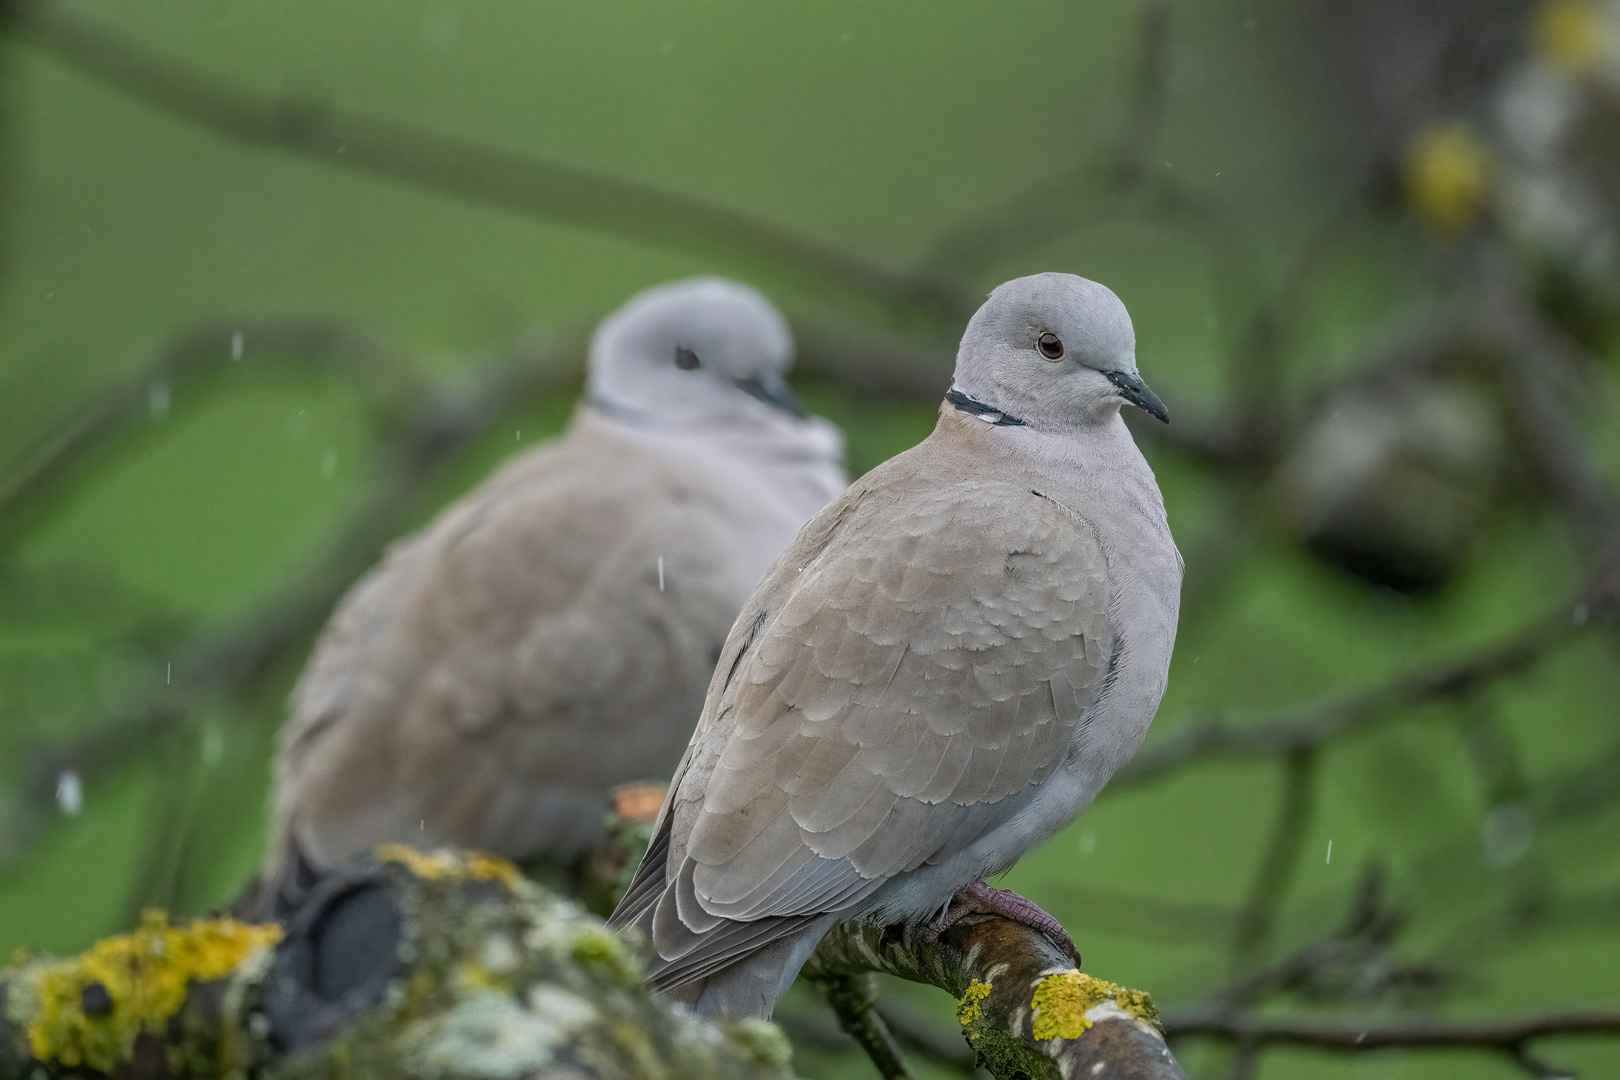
x=923, y=652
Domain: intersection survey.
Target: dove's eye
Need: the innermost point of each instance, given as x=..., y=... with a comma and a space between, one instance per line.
x=1051, y=346
x=686, y=359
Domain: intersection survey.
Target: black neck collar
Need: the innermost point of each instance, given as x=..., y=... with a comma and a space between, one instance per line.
x=974, y=407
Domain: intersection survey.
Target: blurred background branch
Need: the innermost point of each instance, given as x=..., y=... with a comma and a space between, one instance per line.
x=1372, y=248
x=463, y=170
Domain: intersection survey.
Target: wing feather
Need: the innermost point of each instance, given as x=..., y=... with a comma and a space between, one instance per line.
x=908, y=667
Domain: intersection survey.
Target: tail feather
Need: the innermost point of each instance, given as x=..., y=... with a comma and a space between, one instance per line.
x=279, y=888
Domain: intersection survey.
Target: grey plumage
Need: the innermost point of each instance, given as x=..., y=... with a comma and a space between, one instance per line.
x=941, y=670
x=551, y=634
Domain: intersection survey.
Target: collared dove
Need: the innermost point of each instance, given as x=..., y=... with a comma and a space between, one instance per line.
x=941, y=671
x=551, y=635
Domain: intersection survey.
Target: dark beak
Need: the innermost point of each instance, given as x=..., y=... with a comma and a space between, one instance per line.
x=1135, y=391
x=773, y=390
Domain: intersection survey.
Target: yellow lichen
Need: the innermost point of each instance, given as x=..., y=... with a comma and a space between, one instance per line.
x=1447, y=177
x=1061, y=1002
x=967, y=1009
x=468, y=979
x=1570, y=34
x=449, y=865
x=482, y=866
x=603, y=952
x=144, y=976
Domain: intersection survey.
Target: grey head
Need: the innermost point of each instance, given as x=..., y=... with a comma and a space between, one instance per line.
x=700, y=350
x=1051, y=351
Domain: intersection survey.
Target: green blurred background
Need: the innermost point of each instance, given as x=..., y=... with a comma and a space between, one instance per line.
x=1312, y=210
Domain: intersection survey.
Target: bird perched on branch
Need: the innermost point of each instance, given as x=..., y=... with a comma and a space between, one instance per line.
x=551, y=634
x=941, y=671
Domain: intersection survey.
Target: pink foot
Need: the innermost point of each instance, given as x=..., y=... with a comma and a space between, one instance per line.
x=979, y=898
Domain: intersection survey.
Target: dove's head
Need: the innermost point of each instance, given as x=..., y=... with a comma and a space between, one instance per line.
x=699, y=350
x=1055, y=351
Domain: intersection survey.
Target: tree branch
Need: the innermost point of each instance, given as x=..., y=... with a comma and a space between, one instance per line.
x=468, y=171
x=1269, y=888
x=1084, y=192
x=1315, y=726
x=389, y=381
x=1023, y=1009
x=853, y=1000
x=239, y=659
x=446, y=965
x=1506, y=1035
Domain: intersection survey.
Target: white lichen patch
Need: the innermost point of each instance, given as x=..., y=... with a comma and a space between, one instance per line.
x=487, y=1035
x=566, y=1011
x=499, y=954
x=1108, y=1010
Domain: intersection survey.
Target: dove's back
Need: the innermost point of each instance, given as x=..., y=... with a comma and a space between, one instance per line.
x=549, y=636
x=942, y=670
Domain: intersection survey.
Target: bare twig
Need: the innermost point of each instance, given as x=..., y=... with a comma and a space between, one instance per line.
x=854, y=1002
x=1085, y=192
x=1269, y=888
x=388, y=379
x=1541, y=367
x=1316, y=726
x=1506, y=1035
x=933, y=1043
x=468, y=171
x=1149, y=88
x=871, y=363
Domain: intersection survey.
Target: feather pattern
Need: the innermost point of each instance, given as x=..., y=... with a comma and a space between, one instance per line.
x=932, y=645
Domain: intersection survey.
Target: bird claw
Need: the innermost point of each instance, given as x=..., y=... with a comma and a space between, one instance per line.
x=979, y=898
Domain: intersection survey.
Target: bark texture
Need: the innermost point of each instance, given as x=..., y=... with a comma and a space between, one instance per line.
x=1023, y=1008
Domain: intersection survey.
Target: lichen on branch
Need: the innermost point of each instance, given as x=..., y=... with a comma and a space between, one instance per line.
x=1022, y=1008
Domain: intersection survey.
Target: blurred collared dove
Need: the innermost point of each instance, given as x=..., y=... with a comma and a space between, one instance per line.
x=941, y=671
x=551, y=634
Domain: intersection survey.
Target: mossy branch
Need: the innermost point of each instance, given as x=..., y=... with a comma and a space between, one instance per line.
x=1024, y=1010
x=422, y=966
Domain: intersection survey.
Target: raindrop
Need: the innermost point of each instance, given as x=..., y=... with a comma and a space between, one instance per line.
x=1580, y=614
x=213, y=746
x=660, y=573
x=236, y=345
x=1507, y=834
x=1088, y=842
x=328, y=464
x=69, y=793
x=1329, y=860
x=517, y=435
x=168, y=673
x=157, y=400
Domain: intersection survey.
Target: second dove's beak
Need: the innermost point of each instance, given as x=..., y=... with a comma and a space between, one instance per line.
x=773, y=390
x=1135, y=391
